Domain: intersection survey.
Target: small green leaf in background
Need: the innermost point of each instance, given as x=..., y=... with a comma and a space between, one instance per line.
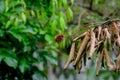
x=62, y=23
x=12, y=62
x=16, y=35
x=48, y=38
x=51, y=59
x=53, y=26
x=69, y=14
x=39, y=75
x=64, y=2
x=72, y=1
x=23, y=16
x=1, y=58
x=1, y=33
x=23, y=65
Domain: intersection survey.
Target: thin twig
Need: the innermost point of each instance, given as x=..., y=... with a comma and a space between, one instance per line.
x=102, y=23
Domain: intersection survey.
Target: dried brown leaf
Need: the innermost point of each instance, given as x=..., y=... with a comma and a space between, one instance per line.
x=99, y=32
x=118, y=41
x=85, y=58
x=79, y=66
x=117, y=62
x=82, y=48
x=115, y=29
x=99, y=62
x=110, y=63
x=92, y=46
x=108, y=35
x=71, y=55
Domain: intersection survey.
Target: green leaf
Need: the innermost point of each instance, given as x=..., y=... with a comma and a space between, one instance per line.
x=39, y=75
x=51, y=59
x=28, y=30
x=23, y=16
x=69, y=14
x=48, y=38
x=16, y=35
x=64, y=2
x=72, y=1
x=53, y=26
x=1, y=33
x=12, y=62
x=23, y=65
x=1, y=58
x=16, y=22
x=62, y=23
x=8, y=24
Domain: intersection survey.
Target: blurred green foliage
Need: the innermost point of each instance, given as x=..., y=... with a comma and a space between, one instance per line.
x=27, y=30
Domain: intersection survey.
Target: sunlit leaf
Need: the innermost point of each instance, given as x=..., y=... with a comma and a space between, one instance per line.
x=12, y=62
x=64, y=2
x=72, y=1
x=48, y=38
x=53, y=26
x=62, y=23
x=23, y=16
x=69, y=14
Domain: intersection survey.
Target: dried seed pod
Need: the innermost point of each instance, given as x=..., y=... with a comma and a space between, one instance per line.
x=103, y=65
x=117, y=62
x=110, y=63
x=108, y=35
x=84, y=58
x=118, y=41
x=115, y=29
x=98, y=43
x=99, y=62
x=102, y=35
x=99, y=49
x=81, y=36
x=116, y=32
x=99, y=32
x=79, y=66
x=118, y=25
x=71, y=55
x=82, y=48
x=92, y=46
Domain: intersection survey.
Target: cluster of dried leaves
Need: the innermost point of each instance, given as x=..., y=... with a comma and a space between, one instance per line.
x=100, y=41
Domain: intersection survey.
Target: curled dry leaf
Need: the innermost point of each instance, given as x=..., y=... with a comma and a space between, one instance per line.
x=82, y=47
x=118, y=41
x=117, y=62
x=99, y=32
x=108, y=36
x=84, y=58
x=99, y=62
x=110, y=63
x=92, y=46
x=79, y=66
x=116, y=32
x=115, y=29
x=71, y=56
